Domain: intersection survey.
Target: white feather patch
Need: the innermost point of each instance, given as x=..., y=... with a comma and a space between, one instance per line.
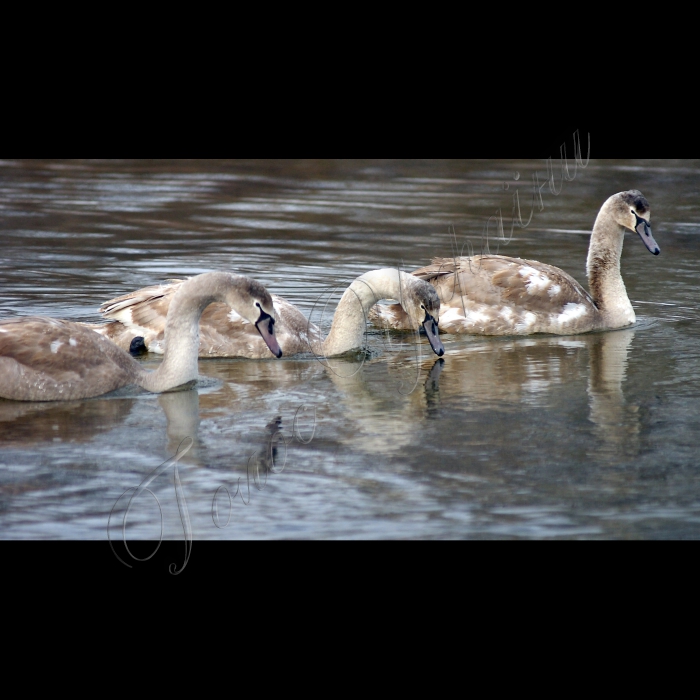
x=382, y=311
x=536, y=281
x=477, y=317
x=571, y=312
x=123, y=315
x=527, y=323
x=506, y=313
x=450, y=315
x=55, y=345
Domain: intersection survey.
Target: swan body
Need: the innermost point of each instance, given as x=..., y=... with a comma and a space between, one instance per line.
x=46, y=359
x=224, y=333
x=500, y=295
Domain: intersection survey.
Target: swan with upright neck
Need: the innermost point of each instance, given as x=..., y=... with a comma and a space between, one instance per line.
x=224, y=333
x=500, y=295
x=45, y=359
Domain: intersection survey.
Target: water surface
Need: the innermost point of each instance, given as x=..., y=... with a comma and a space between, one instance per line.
x=592, y=436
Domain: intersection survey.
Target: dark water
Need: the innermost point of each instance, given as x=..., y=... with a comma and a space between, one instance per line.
x=592, y=436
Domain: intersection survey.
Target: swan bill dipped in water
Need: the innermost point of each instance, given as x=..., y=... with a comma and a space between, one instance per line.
x=45, y=359
x=501, y=295
x=223, y=333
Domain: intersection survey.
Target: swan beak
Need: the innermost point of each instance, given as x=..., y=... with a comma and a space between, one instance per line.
x=266, y=327
x=644, y=231
x=431, y=330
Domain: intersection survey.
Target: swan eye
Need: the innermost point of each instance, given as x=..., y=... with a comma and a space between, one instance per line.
x=257, y=303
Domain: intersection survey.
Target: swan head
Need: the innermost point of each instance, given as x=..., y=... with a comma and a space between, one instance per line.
x=632, y=211
x=421, y=301
x=254, y=303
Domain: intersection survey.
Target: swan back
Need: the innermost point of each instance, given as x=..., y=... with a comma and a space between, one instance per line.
x=227, y=328
x=147, y=308
x=499, y=295
x=46, y=359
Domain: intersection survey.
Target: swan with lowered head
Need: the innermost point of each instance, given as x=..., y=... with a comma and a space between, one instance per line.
x=500, y=295
x=45, y=359
x=223, y=333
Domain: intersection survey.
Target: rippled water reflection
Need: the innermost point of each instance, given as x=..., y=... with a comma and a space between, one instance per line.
x=592, y=436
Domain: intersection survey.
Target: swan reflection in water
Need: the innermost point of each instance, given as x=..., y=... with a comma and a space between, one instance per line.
x=617, y=422
x=377, y=406
x=182, y=411
x=25, y=424
x=385, y=402
x=544, y=375
x=356, y=401
x=381, y=406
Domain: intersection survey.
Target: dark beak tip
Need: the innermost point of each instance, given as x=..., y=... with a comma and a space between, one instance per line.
x=432, y=331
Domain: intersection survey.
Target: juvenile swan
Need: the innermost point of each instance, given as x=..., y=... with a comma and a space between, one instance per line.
x=224, y=333
x=45, y=359
x=499, y=295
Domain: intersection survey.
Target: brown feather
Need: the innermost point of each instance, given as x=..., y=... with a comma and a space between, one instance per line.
x=38, y=361
x=495, y=295
x=221, y=332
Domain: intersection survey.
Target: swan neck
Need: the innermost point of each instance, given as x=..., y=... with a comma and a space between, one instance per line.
x=180, y=359
x=603, y=269
x=350, y=319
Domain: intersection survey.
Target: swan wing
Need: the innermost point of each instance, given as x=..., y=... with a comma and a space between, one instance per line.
x=222, y=331
x=143, y=311
x=494, y=279
x=500, y=295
